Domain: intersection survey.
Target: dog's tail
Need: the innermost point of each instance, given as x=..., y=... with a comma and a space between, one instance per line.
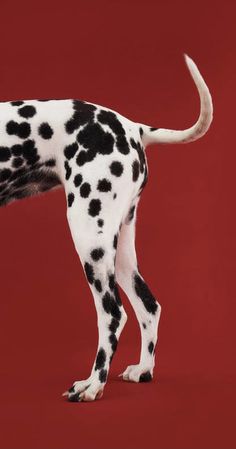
x=159, y=135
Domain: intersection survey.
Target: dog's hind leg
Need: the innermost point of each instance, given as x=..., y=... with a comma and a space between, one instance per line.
x=97, y=251
x=146, y=308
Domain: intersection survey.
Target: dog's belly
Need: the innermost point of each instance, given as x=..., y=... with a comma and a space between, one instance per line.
x=27, y=182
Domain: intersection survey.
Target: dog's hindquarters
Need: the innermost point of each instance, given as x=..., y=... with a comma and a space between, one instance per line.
x=99, y=195
x=105, y=172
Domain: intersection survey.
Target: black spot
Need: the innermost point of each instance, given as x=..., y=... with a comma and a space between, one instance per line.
x=21, y=130
x=67, y=169
x=83, y=157
x=106, y=301
x=71, y=390
x=70, y=199
x=145, y=377
x=89, y=272
x=85, y=190
x=77, y=180
x=27, y=111
x=145, y=179
x=17, y=103
x=116, y=168
x=144, y=326
x=115, y=241
x=28, y=147
x=71, y=125
x=151, y=347
x=98, y=285
x=94, y=207
x=114, y=325
x=114, y=288
x=45, y=131
x=50, y=163
x=135, y=168
x=133, y=143
x=114, y=342
x=100, y=223
x=114, y=196
x=5, y=154
x=109, y=118
x=111, y=281
x=110, y=306
x=153, y=129
x=141, y=131
x=96, y=140
x=131, y=213
x=97, y=254
x=30, y=152
x=33, y=160
x=74, y=397
x=17, y=162
x=70, y=150
x=104, y=185
x=144, y=294
x=84, y=113
x=101, y=359
x=140, y=151
x=5, y=174
x=141, y=156
x=117, y=295
x=16, y=150
x=103, y=375
x=122, y=145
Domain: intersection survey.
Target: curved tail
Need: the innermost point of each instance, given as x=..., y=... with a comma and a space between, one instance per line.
x=158, y=135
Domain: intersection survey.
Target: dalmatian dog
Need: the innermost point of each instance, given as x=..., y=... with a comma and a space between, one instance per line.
x=98, y=156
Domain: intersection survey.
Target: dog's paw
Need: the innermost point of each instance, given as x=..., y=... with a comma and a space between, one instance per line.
x=137, y=373
x=84, y=391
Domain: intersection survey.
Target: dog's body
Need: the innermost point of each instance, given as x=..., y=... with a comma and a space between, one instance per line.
x=98, y=155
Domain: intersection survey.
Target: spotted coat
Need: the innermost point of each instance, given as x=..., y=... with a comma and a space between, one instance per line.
x=98, y=157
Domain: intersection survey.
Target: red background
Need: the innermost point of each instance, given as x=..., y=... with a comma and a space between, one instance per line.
x=127, y=56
